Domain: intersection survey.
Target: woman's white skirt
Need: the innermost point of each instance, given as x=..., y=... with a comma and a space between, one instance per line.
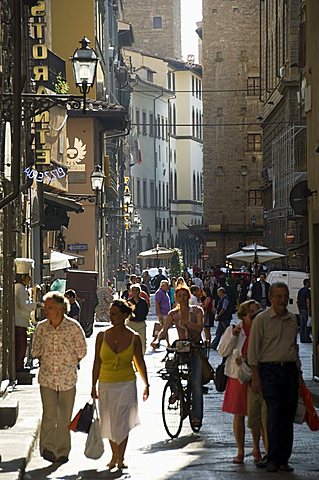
x=118, y=409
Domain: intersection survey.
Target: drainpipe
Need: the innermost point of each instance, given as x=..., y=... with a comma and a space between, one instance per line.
x=154, y=150
x=169, y=174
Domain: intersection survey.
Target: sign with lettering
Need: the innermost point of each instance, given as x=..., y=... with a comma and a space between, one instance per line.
x=76, y=247
x=39, y=54
x=44, y=174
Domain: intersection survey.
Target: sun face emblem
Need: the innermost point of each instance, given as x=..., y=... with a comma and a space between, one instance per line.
x=76, y=153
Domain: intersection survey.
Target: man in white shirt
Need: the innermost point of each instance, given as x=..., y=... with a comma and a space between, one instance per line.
x=195, y=295
x=198, y=281
x=23, y=307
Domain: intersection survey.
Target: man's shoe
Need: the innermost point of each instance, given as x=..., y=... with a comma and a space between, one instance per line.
x=62, y=460
x=272, y=467
x=286, y=468
x=49, y=456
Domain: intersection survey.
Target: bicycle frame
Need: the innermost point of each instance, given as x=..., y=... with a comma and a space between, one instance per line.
x=177, y=393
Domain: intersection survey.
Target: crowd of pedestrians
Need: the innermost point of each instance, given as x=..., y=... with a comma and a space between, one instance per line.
x=253, y=328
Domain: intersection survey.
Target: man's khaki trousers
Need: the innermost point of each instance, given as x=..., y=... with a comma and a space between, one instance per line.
x=140, y=328
x=56, y=416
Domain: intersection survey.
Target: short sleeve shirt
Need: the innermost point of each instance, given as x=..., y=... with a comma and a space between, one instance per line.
x=59, y=350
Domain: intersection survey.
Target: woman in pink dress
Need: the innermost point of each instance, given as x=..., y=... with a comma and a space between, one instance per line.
x=234, y=345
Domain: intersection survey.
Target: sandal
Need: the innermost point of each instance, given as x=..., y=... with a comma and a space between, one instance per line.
x=239, y=460
x=111, y=464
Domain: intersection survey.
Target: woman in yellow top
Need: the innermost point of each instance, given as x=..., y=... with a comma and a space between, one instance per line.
x=115, y=351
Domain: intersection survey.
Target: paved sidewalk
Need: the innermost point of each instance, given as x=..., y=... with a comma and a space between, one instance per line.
x=150, y=454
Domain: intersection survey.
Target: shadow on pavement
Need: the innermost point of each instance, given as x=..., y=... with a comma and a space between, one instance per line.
x=44, y=472
x=83, y=474
x=11, y=465
x=171, y=444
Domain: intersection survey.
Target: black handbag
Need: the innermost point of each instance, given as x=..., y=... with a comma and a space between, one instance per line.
x=220, y=379
x=85, y=419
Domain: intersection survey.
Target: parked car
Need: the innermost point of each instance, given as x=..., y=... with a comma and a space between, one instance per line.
x=294, y=280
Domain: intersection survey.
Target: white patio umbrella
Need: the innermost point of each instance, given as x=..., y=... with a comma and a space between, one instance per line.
x=60, y=261
x=157, y=252
x=255, y=253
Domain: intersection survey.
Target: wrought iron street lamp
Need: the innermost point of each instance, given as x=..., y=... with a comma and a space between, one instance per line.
x=84, y=62
x=97, y=179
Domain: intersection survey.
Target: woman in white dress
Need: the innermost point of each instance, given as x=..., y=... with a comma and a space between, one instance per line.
x=115, y=351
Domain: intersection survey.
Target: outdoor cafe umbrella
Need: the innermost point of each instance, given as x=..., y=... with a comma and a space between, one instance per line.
x=255, y=253
x=60, y=261
x=157, y=253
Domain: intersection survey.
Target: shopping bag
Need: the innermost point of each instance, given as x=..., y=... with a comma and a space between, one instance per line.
x=74, y=422
x=244, y=372
x=311, y=416
x=220, y=379
x=85, y=418
x=94, y=446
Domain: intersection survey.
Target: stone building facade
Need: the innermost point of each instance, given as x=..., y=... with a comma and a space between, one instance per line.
x=156, y=26
x=284, y=127
x=233, y=210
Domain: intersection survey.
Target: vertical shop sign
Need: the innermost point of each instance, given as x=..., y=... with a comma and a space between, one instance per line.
x=39, y=56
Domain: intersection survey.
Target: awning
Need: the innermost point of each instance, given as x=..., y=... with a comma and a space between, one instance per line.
x=63, y=202
x=60, y=261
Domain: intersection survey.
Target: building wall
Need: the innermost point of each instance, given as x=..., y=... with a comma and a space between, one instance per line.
x=172, y=160
x=284, y=132
x=69, y=23
x=312, y=78
x=80, y=169
x=165, y=42
x=231, y=168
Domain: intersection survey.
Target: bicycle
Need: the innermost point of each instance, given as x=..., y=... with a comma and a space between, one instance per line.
x=177, y=393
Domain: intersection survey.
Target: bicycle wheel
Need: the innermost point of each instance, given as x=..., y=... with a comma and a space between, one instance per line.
x=172, y=408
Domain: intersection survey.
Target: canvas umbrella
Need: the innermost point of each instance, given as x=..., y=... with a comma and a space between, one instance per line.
x=157, y=253
x=255, y=253
x=60, y=261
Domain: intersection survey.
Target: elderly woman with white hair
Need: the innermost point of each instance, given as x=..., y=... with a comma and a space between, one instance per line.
x=59, y=343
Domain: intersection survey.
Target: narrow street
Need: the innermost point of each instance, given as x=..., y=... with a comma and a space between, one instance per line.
x=152, y=455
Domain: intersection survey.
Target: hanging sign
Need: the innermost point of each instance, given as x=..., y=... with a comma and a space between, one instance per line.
x=39, y=55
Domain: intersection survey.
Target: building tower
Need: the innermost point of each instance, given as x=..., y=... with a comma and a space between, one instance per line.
x=233, y=211
x=156, y=26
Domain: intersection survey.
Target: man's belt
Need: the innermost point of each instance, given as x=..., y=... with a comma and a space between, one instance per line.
x=278, y=364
